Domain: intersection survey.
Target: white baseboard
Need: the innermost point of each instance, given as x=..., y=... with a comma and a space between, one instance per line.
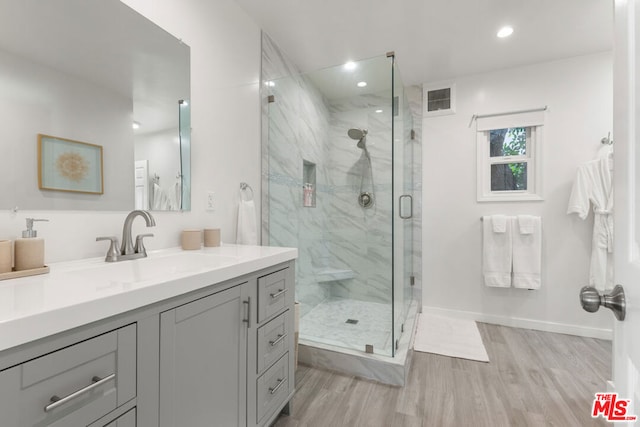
x=517, y=322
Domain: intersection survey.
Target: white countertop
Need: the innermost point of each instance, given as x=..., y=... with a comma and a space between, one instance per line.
x=76, y=293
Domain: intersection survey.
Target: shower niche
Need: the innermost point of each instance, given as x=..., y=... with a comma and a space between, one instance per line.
x=308, y=184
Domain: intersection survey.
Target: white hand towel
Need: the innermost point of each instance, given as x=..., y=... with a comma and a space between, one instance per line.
x=499, y=223
x=160, y=200
x=247, y=230
x=527, y=253
x=496, y=254
x=526, y=223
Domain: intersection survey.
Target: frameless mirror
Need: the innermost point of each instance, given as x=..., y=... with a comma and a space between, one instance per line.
x=87, y=71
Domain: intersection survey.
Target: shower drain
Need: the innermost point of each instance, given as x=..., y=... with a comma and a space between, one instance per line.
x=351, y=321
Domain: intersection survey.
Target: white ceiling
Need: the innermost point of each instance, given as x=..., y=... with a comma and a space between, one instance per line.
x=434, y=39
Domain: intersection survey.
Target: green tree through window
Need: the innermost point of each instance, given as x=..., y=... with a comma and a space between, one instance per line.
x=508, y=142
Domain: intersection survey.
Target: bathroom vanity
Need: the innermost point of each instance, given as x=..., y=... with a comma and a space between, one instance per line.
x=176, y=339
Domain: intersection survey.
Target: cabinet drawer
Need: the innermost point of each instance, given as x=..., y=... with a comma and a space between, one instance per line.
x=72, y=386
x=273, y=340
x=272, y=388
x=127, y=419
x=272, y=293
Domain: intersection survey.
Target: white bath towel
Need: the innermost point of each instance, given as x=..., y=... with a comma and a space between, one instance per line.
x=527, y=252
x=247, y=230
x=496, y=254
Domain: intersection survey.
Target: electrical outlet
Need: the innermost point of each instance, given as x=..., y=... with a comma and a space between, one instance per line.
x=210, y=201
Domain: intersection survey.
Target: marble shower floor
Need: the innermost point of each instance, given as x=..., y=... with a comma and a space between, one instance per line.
x=327, y=324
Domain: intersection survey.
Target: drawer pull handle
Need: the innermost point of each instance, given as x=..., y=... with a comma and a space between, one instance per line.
x=248, y=319
x=273, y=390
x=57, y=401
x=277, y=294
x=277, y=340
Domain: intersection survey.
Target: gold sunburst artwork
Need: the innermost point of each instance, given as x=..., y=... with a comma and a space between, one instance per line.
x=68, y=165
x=72, y=166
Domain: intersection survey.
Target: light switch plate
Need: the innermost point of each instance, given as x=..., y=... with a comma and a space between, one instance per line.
x=210, y=206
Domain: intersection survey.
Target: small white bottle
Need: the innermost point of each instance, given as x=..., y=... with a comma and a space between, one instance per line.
x=307, y=195
x=311, y=194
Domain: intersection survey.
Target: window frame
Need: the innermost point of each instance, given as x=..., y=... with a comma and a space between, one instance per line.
x=532, y=159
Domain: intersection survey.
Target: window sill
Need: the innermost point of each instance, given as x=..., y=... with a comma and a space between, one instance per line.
x=510, y=198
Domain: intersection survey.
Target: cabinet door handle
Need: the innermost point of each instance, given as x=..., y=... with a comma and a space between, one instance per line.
x=277, y=294
x=277, y=340
x=57, y=401
x=273, y=390
x=248, y=319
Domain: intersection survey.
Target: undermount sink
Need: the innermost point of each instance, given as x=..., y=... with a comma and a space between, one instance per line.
x=156, y=266
x=181, y=262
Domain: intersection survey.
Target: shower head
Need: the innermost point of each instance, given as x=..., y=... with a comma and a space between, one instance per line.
x=359, y=135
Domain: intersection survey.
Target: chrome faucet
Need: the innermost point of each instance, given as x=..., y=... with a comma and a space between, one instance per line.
x=128, y=250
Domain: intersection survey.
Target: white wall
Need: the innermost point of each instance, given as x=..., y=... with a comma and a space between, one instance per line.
x=225, y=66
x=578, y=92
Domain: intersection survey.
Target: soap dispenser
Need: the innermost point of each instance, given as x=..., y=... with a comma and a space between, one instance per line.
x=29, y=251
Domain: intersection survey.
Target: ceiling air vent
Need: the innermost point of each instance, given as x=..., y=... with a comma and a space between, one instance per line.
x=439, y=99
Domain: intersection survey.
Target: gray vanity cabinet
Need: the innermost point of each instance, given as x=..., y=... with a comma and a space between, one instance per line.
x=227, y=359
x=73, y=386
x=203, y=361
x=271, y=347
x=221, y=355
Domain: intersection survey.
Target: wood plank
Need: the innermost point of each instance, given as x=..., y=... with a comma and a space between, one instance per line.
x=534, y=379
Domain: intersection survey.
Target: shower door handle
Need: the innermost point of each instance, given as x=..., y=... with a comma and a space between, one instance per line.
x=402, y=208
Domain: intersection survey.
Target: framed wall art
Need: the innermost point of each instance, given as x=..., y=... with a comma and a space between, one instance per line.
x=68, y=165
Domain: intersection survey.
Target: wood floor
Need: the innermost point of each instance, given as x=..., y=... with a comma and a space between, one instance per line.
x=534, y=379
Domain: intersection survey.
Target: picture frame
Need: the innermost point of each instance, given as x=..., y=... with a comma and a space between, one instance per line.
x=68, y=165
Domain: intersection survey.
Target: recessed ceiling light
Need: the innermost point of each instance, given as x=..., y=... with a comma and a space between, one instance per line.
x=135, y=125
x=350, y=66
x=505, y=32
x=378, y=111
x=270, y=83
x=362, y=84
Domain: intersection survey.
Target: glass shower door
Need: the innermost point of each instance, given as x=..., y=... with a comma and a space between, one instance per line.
x=403, y=207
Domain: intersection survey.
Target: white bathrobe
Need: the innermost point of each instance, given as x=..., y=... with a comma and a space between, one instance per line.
x=594, y=185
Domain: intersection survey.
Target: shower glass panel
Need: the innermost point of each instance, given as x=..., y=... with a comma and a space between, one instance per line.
x=347, y=276
x=403, y=204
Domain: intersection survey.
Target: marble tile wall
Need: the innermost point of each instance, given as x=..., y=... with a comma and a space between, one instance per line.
x=362, y=237
x=296, y=129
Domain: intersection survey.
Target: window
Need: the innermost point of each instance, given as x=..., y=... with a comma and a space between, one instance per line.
x=508, y=161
